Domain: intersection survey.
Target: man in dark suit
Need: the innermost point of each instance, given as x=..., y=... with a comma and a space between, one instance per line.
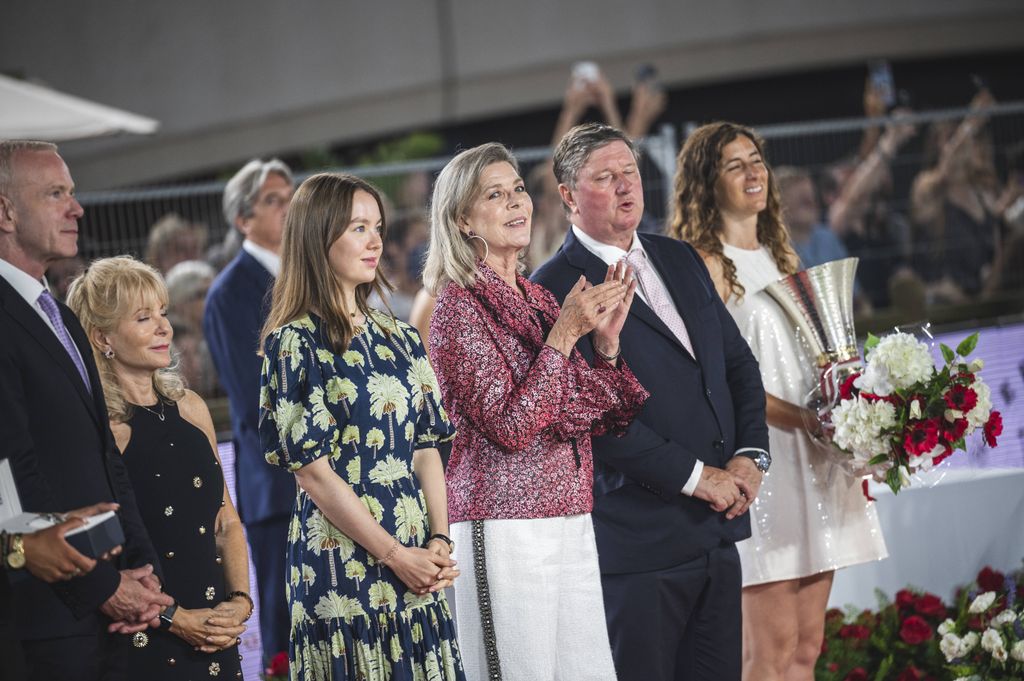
x=671, y=495
x=255, y=202
x=55, y=432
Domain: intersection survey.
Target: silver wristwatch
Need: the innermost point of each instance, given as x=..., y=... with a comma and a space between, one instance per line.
x=761, y=458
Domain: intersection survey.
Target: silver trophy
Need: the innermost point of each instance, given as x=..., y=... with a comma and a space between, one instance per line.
x=819, y=300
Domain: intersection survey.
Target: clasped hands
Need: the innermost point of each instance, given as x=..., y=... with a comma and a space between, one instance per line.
x=425, y=570
x=731, y=489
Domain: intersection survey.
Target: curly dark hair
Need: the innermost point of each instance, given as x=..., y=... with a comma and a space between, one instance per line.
x=695, y=215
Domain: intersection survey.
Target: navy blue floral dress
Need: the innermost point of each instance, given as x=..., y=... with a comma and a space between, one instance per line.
x=367, y=410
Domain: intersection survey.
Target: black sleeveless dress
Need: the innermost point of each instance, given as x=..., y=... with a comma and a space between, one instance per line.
x=179, y=489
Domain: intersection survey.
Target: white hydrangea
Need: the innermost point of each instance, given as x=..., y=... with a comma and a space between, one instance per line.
x=978, y=416
x=982, y=603
x=859, y=425
x=897, y=362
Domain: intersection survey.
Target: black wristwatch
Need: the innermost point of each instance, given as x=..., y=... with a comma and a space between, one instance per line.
x=445, y=539
x=761, y=458
x=167, y=616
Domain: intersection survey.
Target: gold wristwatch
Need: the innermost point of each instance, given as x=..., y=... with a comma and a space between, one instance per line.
x=16, y=552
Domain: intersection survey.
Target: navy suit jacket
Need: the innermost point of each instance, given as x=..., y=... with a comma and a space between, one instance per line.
x=236, y=308
x=704, y=407
x=57, y=438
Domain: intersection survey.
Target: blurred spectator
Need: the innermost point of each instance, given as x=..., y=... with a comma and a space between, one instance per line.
x=405, y=238
x=813, y=241
x=187, y=284
x=957, y=208
x=549, y=220
x=220, y=254
x=61, y=273
x=256, y=202
x=173, y=239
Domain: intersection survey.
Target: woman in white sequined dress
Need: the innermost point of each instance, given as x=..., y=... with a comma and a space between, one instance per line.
x=809, y=518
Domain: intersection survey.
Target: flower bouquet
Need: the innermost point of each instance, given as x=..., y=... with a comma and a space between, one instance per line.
x=986, y=639
x=901, y=414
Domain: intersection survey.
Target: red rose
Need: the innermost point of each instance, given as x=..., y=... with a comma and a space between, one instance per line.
x=846, y=389
x=974, y=623
x=993, y=428
x=991, y=580
x=278, y=665
x=911, y=673
x=857, y=674
x=922, y=438
x=961, y=397
x=954, y=431
x=854, y=631
x=930, y=605
x=915, y=630
x=905, y=598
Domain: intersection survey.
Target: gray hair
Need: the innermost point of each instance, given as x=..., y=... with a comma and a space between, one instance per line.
x=242, y=189
x=187, y=279
x=449, y=256
x=8, y=150
x=576, y=146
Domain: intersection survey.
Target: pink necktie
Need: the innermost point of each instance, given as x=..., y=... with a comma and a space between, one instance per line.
x=658, y=298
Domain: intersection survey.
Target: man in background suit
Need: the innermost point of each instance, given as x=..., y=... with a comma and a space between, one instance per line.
x=671, y=495
x=255, y=202
x=55, y=433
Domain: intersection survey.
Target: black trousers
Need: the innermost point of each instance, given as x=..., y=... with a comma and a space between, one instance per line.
x=268, y=544
x=75, y=658
x=682, y=623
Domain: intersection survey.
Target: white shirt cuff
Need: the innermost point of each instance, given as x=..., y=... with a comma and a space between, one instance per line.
x=691, y=483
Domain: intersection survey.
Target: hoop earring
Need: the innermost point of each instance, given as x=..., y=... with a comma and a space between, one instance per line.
x=487, y=249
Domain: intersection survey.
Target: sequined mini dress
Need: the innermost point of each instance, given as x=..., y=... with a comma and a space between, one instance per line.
x=179, y=487
x=809, y=516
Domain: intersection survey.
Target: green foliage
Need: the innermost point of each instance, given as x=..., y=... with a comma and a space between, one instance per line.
x=967, y=345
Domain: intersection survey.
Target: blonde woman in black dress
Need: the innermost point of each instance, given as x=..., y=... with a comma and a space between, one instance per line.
x=166, y=437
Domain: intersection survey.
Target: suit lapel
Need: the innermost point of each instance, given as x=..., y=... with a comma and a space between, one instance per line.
x=32, y=323
x=594, y=269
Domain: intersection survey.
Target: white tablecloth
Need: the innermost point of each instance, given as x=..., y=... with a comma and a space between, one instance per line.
x=940, y=536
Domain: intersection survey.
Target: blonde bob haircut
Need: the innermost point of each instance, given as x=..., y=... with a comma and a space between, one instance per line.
x=319, y=213
x=102, y=297
x=451, y=256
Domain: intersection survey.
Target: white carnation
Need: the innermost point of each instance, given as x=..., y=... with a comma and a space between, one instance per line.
x=1017, y=651
x=874, y=379
x=976, y=365
x=999, y=654
x=1005, y=617
x=859, y=425
x=991, y=640
x=982, y=603
x=950, y=646
x=978, y=416
x=906, y=360
x=968, y=643
x=946, y=627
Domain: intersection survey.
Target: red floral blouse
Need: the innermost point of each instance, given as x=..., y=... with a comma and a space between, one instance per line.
x=524, y=412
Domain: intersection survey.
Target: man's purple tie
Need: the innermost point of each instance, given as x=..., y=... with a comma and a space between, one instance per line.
x=658, y=298
x=49, y=306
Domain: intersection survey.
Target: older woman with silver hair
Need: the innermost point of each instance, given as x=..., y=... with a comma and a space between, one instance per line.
x=525, y=403
x=165, y=435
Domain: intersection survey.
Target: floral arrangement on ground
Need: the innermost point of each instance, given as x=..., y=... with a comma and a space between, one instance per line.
x=918, y=637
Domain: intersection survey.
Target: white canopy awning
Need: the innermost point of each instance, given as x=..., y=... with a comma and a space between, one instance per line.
x=29, y=111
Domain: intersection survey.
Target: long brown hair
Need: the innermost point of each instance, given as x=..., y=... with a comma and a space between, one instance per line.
x=695, y=214
x=319, y=213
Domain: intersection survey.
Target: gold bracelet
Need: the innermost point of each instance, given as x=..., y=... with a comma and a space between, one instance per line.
x=390, y=554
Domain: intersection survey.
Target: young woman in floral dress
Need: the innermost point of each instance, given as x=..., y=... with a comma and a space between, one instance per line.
x=349, y=404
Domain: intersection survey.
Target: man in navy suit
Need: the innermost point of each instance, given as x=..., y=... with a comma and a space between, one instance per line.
x=55, y=604
x=255, y=202
x=671, y=495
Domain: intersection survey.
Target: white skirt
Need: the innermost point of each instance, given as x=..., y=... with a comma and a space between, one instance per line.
x=529, y=600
